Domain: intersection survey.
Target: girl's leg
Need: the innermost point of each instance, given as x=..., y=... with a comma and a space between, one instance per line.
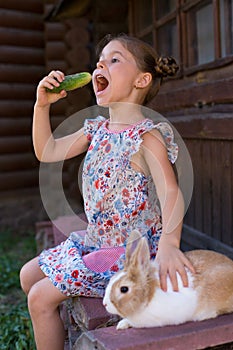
x=30, y=274
x=43, y=304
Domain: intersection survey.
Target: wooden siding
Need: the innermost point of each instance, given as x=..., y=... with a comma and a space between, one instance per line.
x=199, y=103
x=21, y=67
x=210, y=143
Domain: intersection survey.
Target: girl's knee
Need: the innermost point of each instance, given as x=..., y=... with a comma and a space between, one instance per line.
x=35, y=296
x=44, y=297
x=24, y=279
x=30, y=273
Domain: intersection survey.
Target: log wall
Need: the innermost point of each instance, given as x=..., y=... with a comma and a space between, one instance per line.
x=21, y=67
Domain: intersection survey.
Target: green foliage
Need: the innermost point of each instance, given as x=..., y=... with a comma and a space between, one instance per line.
x=15, y=325
x=15, y=329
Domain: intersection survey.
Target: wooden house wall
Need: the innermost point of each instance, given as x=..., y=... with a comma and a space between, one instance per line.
x=21, y=65
x=200, y=106
x=67, y=48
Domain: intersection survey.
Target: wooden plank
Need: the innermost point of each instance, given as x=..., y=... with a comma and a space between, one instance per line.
x=13, y=144
x=22, y=55
x=190, y=335
x=226, y=177
x=216, y=154
x=199, y=95
x=207, y=188
x=18, y=73
x=212, y=201
x=16, y=162
x=197, y=158
x=23, y=91
x=20, y=19
x=15, y=108
x=18, y=37
x=210, y=127
x=8, y=126
x=34, y=6
x=18, y=180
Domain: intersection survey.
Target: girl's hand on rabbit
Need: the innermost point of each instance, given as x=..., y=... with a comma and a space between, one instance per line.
x=44, y=97
x=171, y=260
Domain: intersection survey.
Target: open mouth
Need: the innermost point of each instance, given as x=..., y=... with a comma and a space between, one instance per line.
x=101, y=82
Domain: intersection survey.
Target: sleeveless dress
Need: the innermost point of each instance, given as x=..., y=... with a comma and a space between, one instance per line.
x=117, y=199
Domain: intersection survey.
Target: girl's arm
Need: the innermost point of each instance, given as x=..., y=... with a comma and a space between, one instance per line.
x=48, y=149
x=169, y=255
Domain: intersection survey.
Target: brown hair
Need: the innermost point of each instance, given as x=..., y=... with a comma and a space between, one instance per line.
x=146, y=58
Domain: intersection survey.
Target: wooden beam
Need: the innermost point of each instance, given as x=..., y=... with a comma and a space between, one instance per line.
x=205, y=127
x=24, y=55
x=15, y=144
x=18, y=179
x=199, y=95
x=34, y=6
x=17, y=162
x=18, y=73
x=18, y=37
x=8, y=126
x=22, y=20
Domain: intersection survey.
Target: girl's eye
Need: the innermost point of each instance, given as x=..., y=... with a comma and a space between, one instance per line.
x=114, y=60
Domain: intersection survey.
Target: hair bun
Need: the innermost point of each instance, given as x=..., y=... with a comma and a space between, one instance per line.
x=166, y=66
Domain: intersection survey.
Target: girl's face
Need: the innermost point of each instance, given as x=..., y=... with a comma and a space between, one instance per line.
x=116, y=74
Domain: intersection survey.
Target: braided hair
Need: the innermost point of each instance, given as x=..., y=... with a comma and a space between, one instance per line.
x=146, y=59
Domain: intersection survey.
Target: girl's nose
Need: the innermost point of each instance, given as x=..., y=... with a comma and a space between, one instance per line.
x=100, y=64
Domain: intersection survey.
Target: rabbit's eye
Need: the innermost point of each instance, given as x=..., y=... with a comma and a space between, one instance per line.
x=124, y=289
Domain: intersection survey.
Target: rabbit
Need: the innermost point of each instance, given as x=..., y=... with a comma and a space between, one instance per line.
x=134, y=293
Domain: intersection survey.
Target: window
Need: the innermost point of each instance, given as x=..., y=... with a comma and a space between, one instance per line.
x=200, y=30
x=226, y=20
x=195, y=32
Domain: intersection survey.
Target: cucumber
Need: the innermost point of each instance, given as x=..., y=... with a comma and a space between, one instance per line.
x=72, y=82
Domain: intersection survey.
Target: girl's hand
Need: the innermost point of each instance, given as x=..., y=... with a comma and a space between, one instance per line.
x=44, y=97
x=171, y=260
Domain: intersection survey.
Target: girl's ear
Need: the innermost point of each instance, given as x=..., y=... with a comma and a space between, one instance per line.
x=143, y=80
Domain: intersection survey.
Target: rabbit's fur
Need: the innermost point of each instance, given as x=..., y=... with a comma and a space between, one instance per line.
x=135, y=294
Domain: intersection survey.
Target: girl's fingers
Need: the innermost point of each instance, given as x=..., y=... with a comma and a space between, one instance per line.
x=57, y=75
x=163, y=279
x=174, y=282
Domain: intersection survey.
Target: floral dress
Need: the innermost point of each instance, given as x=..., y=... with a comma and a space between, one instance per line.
x=117, y=199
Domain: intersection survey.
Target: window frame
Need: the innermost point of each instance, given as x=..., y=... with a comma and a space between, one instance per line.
x=180, y=14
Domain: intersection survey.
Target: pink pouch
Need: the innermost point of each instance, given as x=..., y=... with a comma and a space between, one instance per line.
x=103, y=259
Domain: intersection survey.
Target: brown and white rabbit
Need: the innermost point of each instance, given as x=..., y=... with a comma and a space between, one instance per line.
x=135, y=294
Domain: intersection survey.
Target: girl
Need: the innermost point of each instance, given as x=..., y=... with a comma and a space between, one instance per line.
x=128, y=182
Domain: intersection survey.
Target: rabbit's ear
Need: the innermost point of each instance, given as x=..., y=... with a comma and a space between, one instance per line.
x=133, y=240
x=137, y=253
x=140, y=259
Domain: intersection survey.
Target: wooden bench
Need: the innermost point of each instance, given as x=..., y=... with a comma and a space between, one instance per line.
x=89, y=326
x=188, y=336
